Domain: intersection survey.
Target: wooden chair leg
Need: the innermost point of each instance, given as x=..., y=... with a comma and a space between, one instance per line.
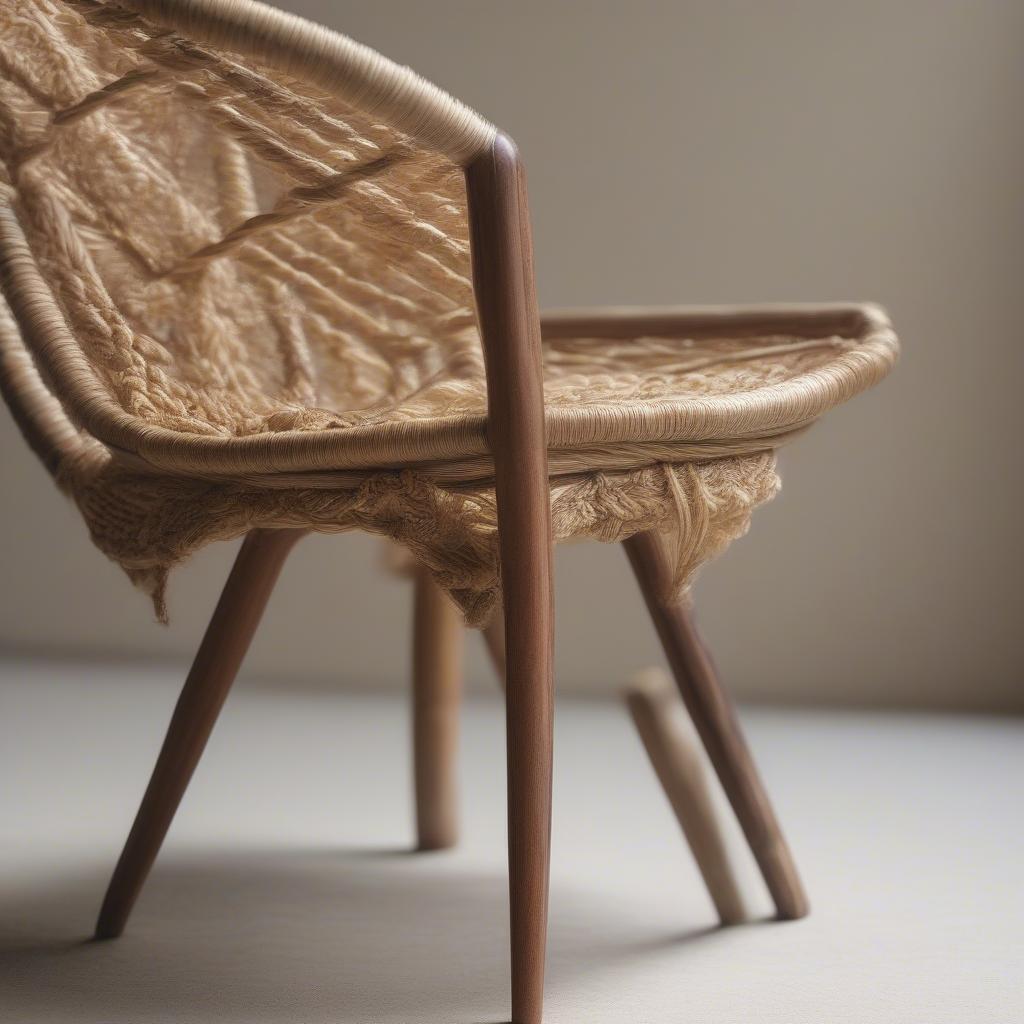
x=213, y=671
x=530, y=776
x=715, y=718
x=529, y=721
x=677, y=763
x=503, y=282
x=437, y=685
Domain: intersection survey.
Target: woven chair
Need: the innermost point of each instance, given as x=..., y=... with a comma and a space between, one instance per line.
x=266, y=282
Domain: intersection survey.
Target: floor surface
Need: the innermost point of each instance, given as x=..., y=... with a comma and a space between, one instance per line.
x=287, y=892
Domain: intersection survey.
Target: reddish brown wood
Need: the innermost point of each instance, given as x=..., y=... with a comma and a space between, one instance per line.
x=213, y=671
x=437, y=687
x=715, y=718
x=510, y=327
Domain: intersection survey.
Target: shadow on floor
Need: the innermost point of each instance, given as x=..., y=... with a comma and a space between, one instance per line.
x=292, y=935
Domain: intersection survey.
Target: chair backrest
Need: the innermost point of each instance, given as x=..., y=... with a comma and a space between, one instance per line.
x=223, y=221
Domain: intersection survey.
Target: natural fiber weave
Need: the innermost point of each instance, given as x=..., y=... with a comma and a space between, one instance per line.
x=239, y=261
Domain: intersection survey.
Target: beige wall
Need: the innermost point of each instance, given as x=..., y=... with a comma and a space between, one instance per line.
x=705, y=152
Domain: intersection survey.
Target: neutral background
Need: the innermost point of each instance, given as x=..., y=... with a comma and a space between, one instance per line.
x=706, y=152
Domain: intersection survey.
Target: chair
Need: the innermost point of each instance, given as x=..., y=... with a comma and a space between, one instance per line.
x=268, y=282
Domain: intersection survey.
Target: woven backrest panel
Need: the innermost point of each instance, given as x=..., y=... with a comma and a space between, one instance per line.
x=234, y=250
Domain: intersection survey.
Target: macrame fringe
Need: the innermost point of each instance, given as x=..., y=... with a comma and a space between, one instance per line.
x=149, y=525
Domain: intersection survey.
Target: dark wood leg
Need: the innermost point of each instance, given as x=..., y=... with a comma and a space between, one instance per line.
x=503, y=281
x=715, y=718
x=529, y=772
x=213, y=671
x=437, y=684
x=529, y=720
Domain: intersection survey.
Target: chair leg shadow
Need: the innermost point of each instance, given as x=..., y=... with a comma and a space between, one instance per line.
x=357, y=935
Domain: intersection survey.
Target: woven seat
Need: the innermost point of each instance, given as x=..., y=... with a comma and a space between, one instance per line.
x=696, y=384
x=260, y=281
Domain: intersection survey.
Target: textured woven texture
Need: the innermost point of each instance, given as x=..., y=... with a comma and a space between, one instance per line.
x=223, y=270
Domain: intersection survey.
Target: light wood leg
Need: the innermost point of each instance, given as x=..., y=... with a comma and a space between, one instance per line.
x=715, y=718
x=437, y=685
x=224, y=645
x=681, y=774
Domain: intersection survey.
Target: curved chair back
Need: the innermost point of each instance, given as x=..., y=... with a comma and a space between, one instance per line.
x=222, y=222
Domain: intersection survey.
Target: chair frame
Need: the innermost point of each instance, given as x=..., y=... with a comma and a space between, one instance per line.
x=511, y=331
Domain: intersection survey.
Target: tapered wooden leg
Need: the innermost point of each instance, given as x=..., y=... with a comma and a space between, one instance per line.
x=529, y=714
x=677, y=763
x=213, y=671
x=437, y=685
x=503, y=282
x=715, y=718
